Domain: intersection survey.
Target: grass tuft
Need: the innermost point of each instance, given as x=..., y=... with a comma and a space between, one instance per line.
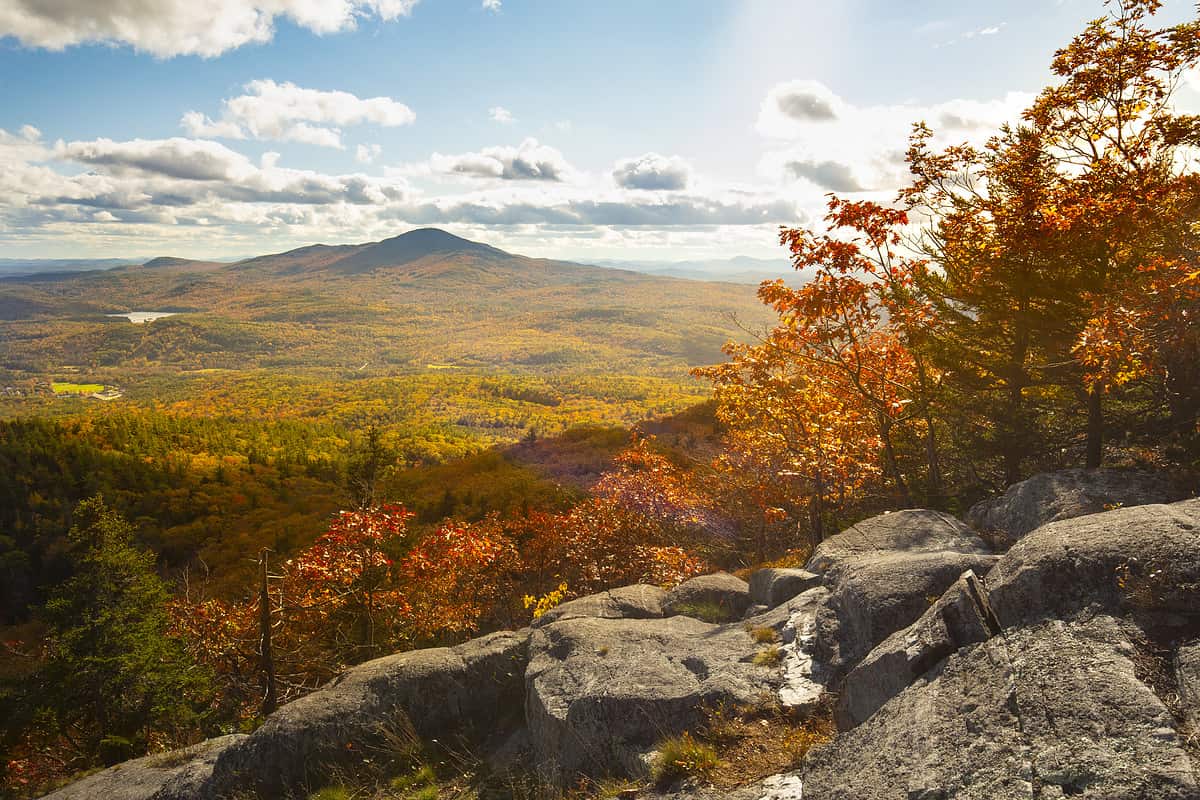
x=683, y=757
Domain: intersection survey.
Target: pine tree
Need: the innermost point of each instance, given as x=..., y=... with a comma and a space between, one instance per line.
x=113, y=678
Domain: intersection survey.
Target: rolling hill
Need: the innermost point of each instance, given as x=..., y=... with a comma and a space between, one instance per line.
x=422, y=298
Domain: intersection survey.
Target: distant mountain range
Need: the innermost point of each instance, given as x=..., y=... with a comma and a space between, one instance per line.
x=739, y=269
x=424, y=297
x=407, y=247
x=31, y=266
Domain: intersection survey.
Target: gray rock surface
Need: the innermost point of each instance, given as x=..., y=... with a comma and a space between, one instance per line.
x=772, y=586
x=640, y=601
x=1053, y=496
x=1187, y=677
x=1052, y=710
x=177, y=775
x=879, y=593
x=908, y=531
x=601, y=693
x=1139, y=559
x=960, y=617
x=440, y=692
x=728, y=593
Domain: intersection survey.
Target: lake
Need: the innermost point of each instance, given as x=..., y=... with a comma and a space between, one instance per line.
x=141, y=317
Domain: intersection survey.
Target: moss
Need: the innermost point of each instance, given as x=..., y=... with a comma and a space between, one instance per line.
x=707, y=611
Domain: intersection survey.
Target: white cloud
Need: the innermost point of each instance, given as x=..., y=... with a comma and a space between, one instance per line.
x=287, y=112
x=830, y=144
x=366, y=153
x=492, y=5
x=652, y=171
x=501, y=114
x=966, y=36
x=181, y=27
x=530, y=161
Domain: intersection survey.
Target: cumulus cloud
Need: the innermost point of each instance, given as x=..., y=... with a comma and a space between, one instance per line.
x=181, y=27
x=186, y=159
x=287, y=112
x=147, y=174
x=157, y=189
x=530, y=161
x=798, y=102
x=502, y=115
x=861, y=148
x=492, y=5
x=652, y=171
x=831, y=175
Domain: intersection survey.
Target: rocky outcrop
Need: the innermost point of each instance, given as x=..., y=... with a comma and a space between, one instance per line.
x=1051, y=710
x=601, y=693
x=448, y=692
x=960, y=617
x=629, y=602
x=1068, y=667
x=1131, y=559
x=882, y=574
x=719, y=594
x=911, y=531
x=177, y=775
x=1053, y=496
x=772, y=586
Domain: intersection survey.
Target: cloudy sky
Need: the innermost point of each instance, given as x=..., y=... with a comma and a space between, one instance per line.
x=620, y=129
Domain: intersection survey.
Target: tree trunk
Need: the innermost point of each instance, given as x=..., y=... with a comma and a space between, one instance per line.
x=816, y=512
x=1095, y=429
x=890, y=463
x=1014, y=447
x=270, y=698
x=933, y=464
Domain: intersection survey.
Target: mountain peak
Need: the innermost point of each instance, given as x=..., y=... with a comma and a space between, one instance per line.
x=410, y=246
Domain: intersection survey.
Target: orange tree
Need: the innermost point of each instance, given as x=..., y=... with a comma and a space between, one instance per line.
x=800, y=416
x=1066, y=248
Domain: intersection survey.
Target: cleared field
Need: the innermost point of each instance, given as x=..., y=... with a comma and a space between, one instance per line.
x=76, y=388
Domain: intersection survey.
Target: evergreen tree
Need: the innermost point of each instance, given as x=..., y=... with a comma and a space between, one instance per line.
x=113, y=677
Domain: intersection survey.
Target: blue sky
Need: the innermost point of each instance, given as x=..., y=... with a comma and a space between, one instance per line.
x=647, y=130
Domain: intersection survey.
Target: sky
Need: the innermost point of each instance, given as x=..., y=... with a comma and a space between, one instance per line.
x=664, y=130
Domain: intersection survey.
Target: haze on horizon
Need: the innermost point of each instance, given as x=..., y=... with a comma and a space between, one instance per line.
x=576, y=131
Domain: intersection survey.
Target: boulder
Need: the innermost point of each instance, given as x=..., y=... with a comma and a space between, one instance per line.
x=720, y=594
x=879, y=593
x=1144, y=559
x=177, y=775
x=773, y=586
x=1052, y=710
x=640, y=601
x=600, y=693
x=908, y=531
x=960, y=617
x=446, y=692
x=1053, y=496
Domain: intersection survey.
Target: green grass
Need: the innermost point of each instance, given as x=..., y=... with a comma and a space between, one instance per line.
x=708, y=612
x=331, y=793
x=769, y=656
x=764, y=635
x=683, y=757
x=75, y=388
x=420, y=784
